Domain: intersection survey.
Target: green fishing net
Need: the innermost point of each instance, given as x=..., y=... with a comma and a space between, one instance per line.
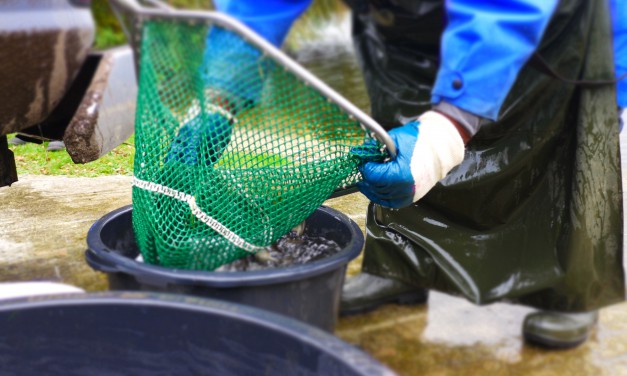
x=232, y=149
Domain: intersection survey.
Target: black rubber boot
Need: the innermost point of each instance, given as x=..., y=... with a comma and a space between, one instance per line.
x=556, y=330
x=365, y=292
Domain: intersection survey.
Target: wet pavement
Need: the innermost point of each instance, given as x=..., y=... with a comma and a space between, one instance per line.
x=44, y=222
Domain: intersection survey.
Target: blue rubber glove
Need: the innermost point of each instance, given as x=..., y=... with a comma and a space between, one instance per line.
x=427, y=150
x=232, y=74
x=202, y=139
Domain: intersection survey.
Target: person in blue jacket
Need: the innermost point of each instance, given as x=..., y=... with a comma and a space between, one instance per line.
x=507, y=183
x=618, y=10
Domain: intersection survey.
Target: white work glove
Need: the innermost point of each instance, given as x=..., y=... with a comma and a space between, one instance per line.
x=427, y=149
x=622, y=118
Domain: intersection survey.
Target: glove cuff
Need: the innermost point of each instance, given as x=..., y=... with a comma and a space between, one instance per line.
x=467, y=124
x=439, y=148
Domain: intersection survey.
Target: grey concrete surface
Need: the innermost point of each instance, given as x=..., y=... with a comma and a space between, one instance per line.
x=44, y=222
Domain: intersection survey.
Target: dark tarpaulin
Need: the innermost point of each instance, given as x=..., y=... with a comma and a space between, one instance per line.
x=534, y=213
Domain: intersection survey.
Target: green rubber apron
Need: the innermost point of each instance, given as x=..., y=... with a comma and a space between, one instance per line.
x=534, y=213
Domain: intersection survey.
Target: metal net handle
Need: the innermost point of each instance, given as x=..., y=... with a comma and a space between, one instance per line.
x=135, y=14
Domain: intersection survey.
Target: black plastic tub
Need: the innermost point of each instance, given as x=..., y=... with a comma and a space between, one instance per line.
x=309, y=292
x=162, y=334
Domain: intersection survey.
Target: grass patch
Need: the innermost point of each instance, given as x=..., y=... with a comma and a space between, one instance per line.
x=35, y=160
x=236, y=159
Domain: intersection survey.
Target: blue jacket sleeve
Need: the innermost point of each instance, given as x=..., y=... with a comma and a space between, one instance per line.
x=271, y=19
x=618, y=9
x=484, y=46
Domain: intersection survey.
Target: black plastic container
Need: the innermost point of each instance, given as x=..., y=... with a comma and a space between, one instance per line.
x=162, y=334
x=309, y=292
